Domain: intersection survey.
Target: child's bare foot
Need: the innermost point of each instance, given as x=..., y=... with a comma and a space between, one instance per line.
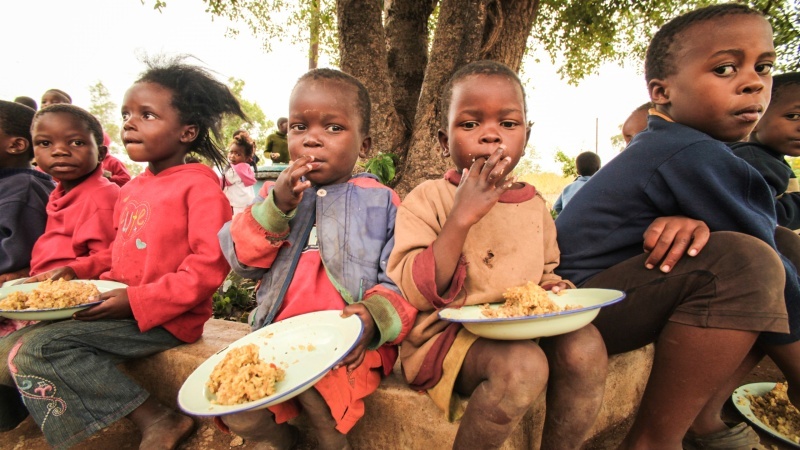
x=167, y=432
x=161, y=427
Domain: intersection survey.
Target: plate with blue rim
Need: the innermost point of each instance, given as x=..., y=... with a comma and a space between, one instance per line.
x=51, y=313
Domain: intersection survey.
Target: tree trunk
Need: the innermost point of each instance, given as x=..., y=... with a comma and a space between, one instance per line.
x=362, y=47
x=313, y=36
x=517, y=21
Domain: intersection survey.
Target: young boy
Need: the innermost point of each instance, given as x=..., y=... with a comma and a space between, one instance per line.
x=67, y=142
x=708, y=74
x=464, y=240
x=776, y=136
x=636, y=122
x=55, y=96
x=277, y=146
x=295, y=235
x=23, y=192
x=23, y=199
x=587, y=164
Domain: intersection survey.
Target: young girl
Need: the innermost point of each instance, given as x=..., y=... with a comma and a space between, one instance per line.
x=465, y=239
x=239, y=178
x=165, y=250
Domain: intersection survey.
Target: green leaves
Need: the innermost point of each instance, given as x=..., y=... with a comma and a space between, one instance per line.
x=234, y=299
x=383, y=166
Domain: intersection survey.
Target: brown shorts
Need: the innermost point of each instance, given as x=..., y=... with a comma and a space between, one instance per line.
x=736, y=282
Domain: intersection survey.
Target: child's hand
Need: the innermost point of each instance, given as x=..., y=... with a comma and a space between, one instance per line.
x=65, y=273
x=288, y=187
x=356, y=356
x=22, y=273
x=558, y=287
x=668, y=238
x=481, y=187
x=114, y=306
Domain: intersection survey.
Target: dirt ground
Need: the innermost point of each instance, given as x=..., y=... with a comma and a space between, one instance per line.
x=123, y=436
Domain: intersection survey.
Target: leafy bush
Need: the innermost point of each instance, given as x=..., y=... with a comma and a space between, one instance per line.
x=382, y=165
x=234, y=299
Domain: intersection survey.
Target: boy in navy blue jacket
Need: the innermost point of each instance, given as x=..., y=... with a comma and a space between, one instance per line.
x=709, y=77
x=776, y=136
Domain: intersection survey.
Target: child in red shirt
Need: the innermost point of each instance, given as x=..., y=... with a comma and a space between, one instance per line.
x=67, y=143
x=165, y=250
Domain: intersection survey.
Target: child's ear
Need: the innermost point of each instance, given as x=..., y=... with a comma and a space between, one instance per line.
x=444, y=142
x=102, y=151
x=366, y=144
x=18, y=146
x=659, y=92
x=527, y=135
x=189, y=134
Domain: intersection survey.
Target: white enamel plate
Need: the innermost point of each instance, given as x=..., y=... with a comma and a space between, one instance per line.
x=742, y=403
x=53, y=313
x=285, y=344
x=530, y=327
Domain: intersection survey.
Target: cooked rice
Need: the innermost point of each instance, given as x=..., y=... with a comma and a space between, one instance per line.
x=776, y=411
x=243, y=377
x=527, y=300
x=51, y=295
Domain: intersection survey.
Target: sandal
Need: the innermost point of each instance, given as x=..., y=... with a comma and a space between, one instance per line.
x=738, y=437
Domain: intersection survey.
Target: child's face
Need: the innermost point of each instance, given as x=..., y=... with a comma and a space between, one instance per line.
x=52, y=97
x=779, y=129
x=485, y=111
x=283, y=127
x=723, y=77
x=236, y=154
x=152, y=130
x=635, y=124
x=65, y=148
x=324, y=123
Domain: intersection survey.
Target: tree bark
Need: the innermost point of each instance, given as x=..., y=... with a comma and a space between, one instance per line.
x=362, y=47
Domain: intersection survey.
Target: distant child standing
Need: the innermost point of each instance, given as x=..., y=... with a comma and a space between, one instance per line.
x=53, y=96
x=295, y=236
x=708, y=73
x=587, y=164
x=277, y=145
x=238, y=178
x=68, y=144
x=23, y=192
x=23, y=199
x=464, y=240
x=776, y=136
x=165, y=250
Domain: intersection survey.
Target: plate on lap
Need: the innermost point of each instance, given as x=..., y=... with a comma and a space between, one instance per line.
x=742, y=403
x=51, y=313
x=589, y=301
x=305, y=346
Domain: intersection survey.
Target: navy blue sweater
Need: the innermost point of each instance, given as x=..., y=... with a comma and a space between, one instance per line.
x=23, y=215
x=668, y=169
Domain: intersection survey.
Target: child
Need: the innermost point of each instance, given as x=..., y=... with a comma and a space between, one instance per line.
x=636, y=122
x=708, y=74
x=277, y=146
x=67, y=142
x=776, y=136
x=27, y=101
x=302, y=217
x=113, y=169
x=238, y=178
x=587, y=164
x=53, y=96
x=453, y=248
x=165, y=250
x=23, y=198
x=23, y=192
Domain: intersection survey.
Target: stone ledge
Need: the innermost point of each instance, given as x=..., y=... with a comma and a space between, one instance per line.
x=394, y=411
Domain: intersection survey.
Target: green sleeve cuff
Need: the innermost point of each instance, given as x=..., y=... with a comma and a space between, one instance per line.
x=386, y=320
x=270, y=217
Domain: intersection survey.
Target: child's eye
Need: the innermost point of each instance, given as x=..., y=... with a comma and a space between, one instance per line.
x=469, y=125
x=126, y=115
x=335, y=128
x=148, y=115
x=508, y=124
x=725, y=70
x=793, y=116
x=297, y=127
x=78, y=143
x=764, y=69
x=41, y=143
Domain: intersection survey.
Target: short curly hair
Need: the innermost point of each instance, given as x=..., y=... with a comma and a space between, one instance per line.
x=779, y=82
x=75, y=111
x=483, y=67
x=659, y=62
x=15, y=120
x=587, y=163
x=363, y=102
